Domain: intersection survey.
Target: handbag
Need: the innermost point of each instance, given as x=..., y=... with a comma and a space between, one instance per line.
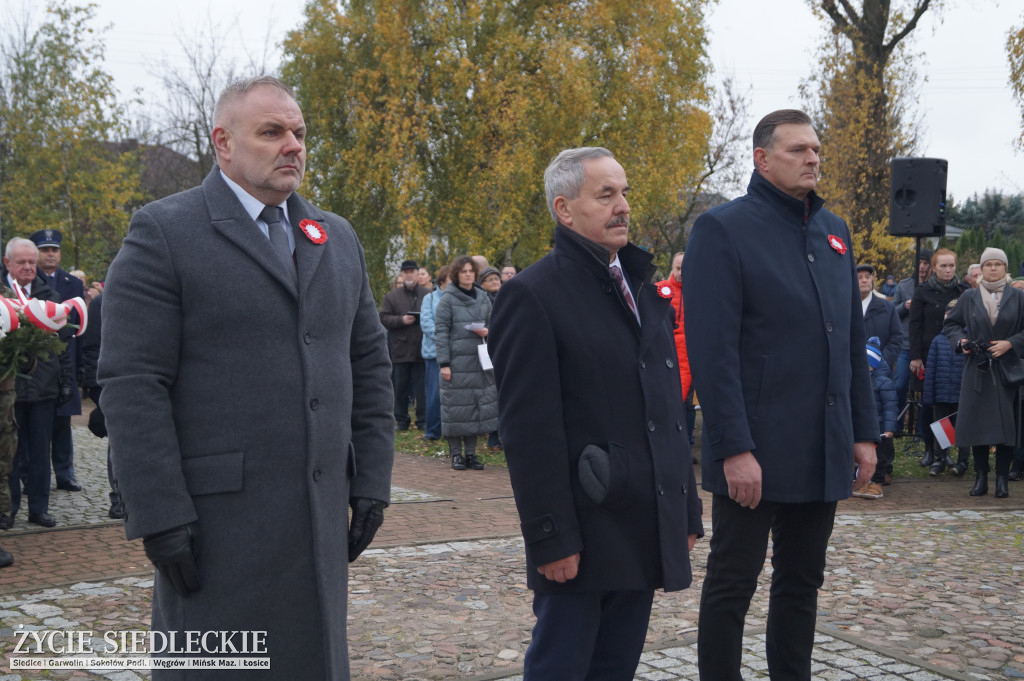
x=1010, y=369
x=484, y=357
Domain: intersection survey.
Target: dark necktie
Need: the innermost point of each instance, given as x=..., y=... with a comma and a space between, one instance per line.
x=278, y=238
x=617, y=276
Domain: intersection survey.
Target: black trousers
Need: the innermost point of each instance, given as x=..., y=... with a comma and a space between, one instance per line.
x=594, y=636
x=63, y=450
x=739, y=543
x=409, y=385
x=32, y=461
x=1004, y=455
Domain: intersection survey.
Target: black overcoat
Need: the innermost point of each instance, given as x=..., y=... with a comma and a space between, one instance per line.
x=775, y=335
x=575, y=369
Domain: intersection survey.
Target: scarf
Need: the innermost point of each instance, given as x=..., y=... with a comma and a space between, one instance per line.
x=991, y=296
x=934, y=282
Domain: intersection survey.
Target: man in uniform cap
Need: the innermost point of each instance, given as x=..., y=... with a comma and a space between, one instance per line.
x=67, y=287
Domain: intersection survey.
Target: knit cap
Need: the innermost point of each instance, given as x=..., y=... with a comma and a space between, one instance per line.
x=874, y=351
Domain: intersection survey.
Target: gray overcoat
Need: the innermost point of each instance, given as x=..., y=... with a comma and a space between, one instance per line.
x=469, y=402
x=253, y=408
x=987, y=413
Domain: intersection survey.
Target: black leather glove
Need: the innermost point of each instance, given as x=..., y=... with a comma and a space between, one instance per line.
x=65, y=390
x=174, y=554
x=367, y=516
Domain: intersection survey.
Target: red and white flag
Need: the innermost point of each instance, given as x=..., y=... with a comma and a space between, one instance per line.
x=945, y=432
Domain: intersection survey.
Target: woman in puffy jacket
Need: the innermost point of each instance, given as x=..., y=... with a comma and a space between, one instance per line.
x=469, y=398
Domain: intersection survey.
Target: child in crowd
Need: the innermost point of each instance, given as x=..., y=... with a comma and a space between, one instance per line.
x=942, y=392
x=888, y=409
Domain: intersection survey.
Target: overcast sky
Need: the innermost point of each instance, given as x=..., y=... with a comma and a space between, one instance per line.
x=970, y=117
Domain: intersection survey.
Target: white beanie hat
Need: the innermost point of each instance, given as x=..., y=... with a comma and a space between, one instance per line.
x=994, y=254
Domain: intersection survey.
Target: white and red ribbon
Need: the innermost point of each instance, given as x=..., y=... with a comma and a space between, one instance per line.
x=44, y=314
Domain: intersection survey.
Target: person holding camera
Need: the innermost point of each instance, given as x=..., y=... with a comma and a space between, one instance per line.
x=987, y=325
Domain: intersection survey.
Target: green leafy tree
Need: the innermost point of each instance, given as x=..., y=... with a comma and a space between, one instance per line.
x=58, y=115
x=863, y=105
x=431, y=122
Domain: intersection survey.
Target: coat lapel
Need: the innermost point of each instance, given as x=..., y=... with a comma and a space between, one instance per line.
x=228, y=218
x=307, y=253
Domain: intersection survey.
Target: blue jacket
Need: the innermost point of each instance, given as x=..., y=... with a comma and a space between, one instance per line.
x=944, y=369
x=886, y=403
x=775, y=335
x=428, y=313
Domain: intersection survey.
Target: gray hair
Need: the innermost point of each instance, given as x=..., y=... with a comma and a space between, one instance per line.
x=18, y=241
x=239, y=88
x=973, y=265
x=565, y=176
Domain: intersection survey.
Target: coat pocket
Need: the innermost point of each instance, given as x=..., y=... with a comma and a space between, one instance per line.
x=214, y=474
x=604, y=475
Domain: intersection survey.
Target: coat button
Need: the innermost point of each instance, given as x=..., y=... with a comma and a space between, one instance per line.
x=547, y=526
x=314, y=404
x=317, y=475
x=831, y=400
x=669, y=363
x=810, y=257
x=828, y=326
x=661, y=490
x=307, y=338
x=650, y=426
x=643, y=364
x=679, y=426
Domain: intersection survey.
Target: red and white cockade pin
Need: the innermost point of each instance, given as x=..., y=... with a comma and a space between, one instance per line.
x=665, y=291
x=837, y=244
x=313, y=231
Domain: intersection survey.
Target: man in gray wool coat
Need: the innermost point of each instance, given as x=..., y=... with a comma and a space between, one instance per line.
x=246, y=392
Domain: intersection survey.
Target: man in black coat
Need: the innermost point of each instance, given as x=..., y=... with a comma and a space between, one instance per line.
x=880, y=317
x=775, y=337
x=591, y=414
x=67, y=287
x=39, y=394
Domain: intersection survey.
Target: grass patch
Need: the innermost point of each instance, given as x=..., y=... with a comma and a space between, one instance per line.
x=908, y=456
x=411, y=442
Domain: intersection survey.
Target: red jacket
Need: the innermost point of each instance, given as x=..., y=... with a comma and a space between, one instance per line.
x=680, y=332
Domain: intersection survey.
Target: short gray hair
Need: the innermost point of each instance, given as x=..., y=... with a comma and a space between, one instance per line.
x=565, y=176
x=18, y=241
x=239, y=88
x=764, y=131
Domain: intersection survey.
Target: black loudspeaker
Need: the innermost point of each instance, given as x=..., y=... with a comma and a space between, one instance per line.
x=918, y=201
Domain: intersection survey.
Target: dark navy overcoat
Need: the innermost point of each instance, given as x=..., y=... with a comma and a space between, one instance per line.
x=574, y=368
x=775, y=334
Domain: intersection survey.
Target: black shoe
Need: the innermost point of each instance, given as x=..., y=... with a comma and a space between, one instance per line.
x=928, y=459
x=980, y=484
x=116, y=511
x=42, y=519
x=458, y=463
x=958, y=469
x=949, y=460
x=6, y=521
x=69, y=485
x=6, y=559
x=1014, y=475
x=937, y=467
x=474, y=463
x=1002, y=487
x=430, y=438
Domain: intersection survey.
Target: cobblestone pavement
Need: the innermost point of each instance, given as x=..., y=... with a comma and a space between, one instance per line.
x=911, y=592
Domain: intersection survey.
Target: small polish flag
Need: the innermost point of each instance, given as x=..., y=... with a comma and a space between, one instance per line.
x=945, y=433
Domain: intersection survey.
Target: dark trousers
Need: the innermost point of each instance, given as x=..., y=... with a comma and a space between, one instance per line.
x=739, y=542
x=885, y=454
x=409, y=385
x=587, y=636
x=1004, y=454
x=35, y=428
x=63, y=450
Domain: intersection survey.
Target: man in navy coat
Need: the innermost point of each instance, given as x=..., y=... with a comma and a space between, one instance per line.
x=775, y=336
x=591, y=414
x=67, y=287
x=880, y=317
